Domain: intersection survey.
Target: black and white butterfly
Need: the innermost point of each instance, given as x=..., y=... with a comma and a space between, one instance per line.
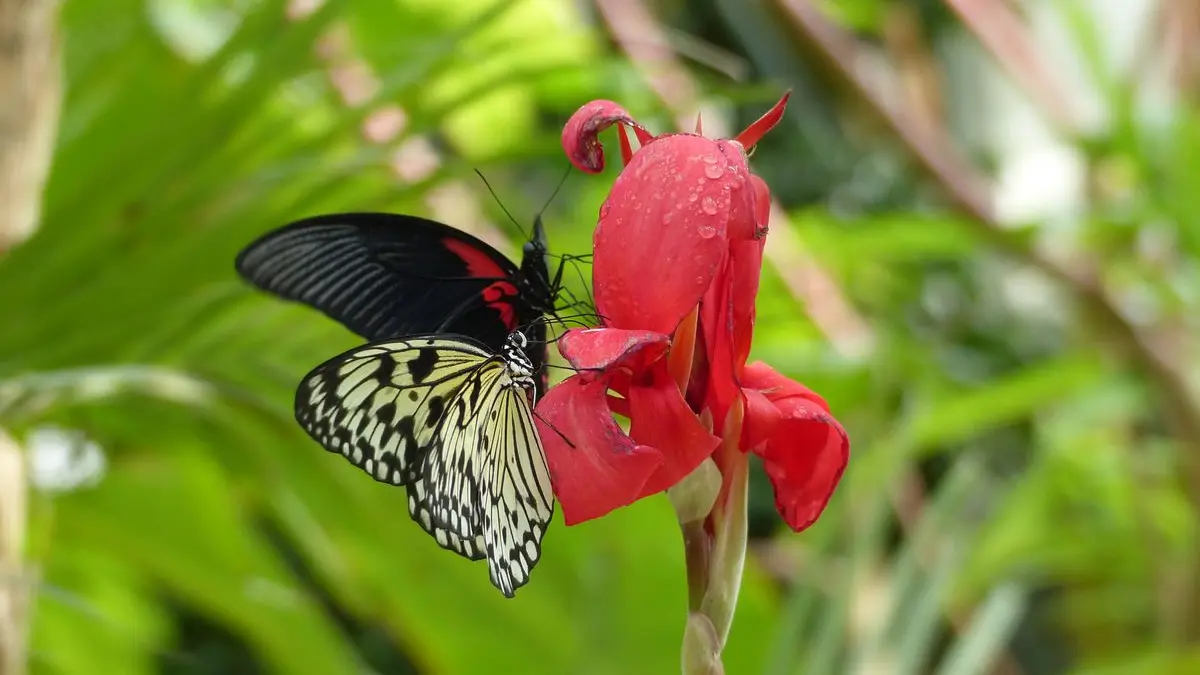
x=452, y=420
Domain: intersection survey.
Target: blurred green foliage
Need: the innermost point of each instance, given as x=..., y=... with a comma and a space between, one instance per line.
x=1021, y=498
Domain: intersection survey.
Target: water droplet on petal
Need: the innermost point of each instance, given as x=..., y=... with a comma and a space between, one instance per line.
x=604, y=209
x=709, y=206
x=714, y=171
x=706, y=231
x=693, y=197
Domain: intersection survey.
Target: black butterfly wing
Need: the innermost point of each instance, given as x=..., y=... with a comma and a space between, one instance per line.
x=386, y=275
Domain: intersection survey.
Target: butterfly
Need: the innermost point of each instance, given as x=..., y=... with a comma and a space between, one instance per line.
x=386, y=275
x=452, y=421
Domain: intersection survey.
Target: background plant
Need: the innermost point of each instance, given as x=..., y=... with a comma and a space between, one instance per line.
x=985, y=258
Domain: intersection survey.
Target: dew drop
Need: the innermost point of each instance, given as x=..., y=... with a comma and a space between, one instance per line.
x=706, y=231
x=714, y=171
x=709, y=206
x=693, y=197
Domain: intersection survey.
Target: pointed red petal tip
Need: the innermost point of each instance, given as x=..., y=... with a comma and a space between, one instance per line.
x=754, y=133
x=580, y=136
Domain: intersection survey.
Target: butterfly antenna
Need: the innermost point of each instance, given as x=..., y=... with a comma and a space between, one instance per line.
x=561, y=182
x=498, y=202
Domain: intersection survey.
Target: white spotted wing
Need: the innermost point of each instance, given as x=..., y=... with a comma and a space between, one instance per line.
x=453, y=422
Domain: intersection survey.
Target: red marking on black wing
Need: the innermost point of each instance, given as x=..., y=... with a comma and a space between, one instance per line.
x=479, y=262
x=385, y=275
x=501, y=297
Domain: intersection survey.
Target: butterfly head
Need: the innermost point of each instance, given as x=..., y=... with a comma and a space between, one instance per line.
x=520, y=368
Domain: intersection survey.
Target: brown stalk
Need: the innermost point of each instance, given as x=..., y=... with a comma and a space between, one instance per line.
x=14, y=584
x=1005, y=36
x=30, y=95
x=29, y=103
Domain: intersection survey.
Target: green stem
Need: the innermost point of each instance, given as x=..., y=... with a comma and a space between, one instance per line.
x=701, y=647
x=729, y=548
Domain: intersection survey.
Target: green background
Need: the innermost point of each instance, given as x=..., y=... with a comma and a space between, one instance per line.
x=1019, y=386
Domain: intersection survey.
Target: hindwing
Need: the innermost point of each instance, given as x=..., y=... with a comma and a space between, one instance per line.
x=471, y=548
x=487, y=474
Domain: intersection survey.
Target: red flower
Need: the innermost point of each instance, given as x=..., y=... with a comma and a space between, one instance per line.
x=678, y=252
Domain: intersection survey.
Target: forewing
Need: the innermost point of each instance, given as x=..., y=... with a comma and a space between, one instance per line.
x=386, y=275
x=380, y=405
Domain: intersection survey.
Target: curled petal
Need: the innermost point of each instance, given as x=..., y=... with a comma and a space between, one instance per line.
x=804, y=449
x=663, y=231
x=601, y=349
x=760, y=421
x=594, y=466
x=580, y=137
x=804, y=459
x=754, y=133
x=776, y=386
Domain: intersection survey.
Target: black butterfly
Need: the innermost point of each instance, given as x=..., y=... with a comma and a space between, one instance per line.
x=385, y=275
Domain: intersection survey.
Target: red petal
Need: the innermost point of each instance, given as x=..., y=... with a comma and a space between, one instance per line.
x=580, y=135
x=716, y=321
x=806, y=452
x=605, y=348
x=662, y=232
x=746, y=270
x=762, y=204
x=727, y=318
x=775, y=386
x=754, y=133
x=660, y=417
x=600, y=468
x=760, y=420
